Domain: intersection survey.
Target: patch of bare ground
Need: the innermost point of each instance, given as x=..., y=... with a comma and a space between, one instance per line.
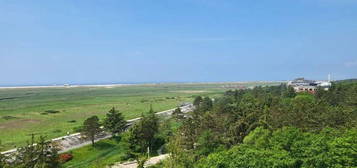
x=149, y=162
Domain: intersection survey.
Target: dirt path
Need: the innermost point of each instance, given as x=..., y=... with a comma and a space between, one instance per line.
x=150, y=162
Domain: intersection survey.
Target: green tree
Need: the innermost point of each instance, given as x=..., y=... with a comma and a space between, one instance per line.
x=244, y=156
x=288, y=147
x=142, y=135
x=206, y=104
x=38, y=154
x=180, y=157
x=114, y=122
x=197, y=101
x=320, y=93
x=91, y=128
x=290, y=92
x=255, y=121
x=206, y=143
x=303, y=113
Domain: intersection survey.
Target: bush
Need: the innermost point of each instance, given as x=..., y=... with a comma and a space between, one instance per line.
x=65, y=157
x=49, y=112
x=52, y=111
x=9, y=117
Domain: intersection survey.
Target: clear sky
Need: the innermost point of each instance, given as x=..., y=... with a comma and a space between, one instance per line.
x=104, y=41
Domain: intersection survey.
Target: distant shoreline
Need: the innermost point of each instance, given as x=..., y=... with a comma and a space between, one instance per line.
x=64, y=86
x=133, y=84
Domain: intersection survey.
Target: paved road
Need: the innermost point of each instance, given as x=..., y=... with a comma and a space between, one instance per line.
x=73, y=141
x=83, y=143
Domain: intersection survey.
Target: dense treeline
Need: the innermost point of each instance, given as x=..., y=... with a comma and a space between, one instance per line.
x=289, y=147
x=269, y=127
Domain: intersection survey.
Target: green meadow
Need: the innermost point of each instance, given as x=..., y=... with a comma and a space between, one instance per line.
x=52, y=112
x=104, y=153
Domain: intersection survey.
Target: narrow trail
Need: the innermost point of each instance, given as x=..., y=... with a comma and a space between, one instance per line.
x=149, y=162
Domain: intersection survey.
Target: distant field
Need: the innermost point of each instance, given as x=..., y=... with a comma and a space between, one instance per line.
x=54, y=111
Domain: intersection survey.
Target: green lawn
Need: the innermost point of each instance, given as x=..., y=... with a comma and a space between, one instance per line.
x=110, y=151
x=23, y=111
x=104, y=152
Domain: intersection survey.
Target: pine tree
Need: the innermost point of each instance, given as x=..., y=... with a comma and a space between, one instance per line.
x=142, y=134
x=206, y=104
x=91, y=128
x=38, y=154
x=115, y=122
x=197, y=101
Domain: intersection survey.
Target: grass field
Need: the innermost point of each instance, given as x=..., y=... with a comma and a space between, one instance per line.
x=109, y=151
x=104, y=152
x=54, y=111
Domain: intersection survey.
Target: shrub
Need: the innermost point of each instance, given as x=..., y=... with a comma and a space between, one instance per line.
x=9, y=117
x=52, y=111
x=49, y=112
x=65, y=157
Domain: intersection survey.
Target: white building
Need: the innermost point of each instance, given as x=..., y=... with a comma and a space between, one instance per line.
x=303, y=85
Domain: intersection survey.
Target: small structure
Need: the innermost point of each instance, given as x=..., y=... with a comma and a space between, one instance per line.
x=303, y=85
x=310, y=89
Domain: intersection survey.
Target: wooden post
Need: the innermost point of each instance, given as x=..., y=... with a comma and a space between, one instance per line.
x=148, y=152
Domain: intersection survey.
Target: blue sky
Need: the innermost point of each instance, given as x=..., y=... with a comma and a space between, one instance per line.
x=85, y=41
